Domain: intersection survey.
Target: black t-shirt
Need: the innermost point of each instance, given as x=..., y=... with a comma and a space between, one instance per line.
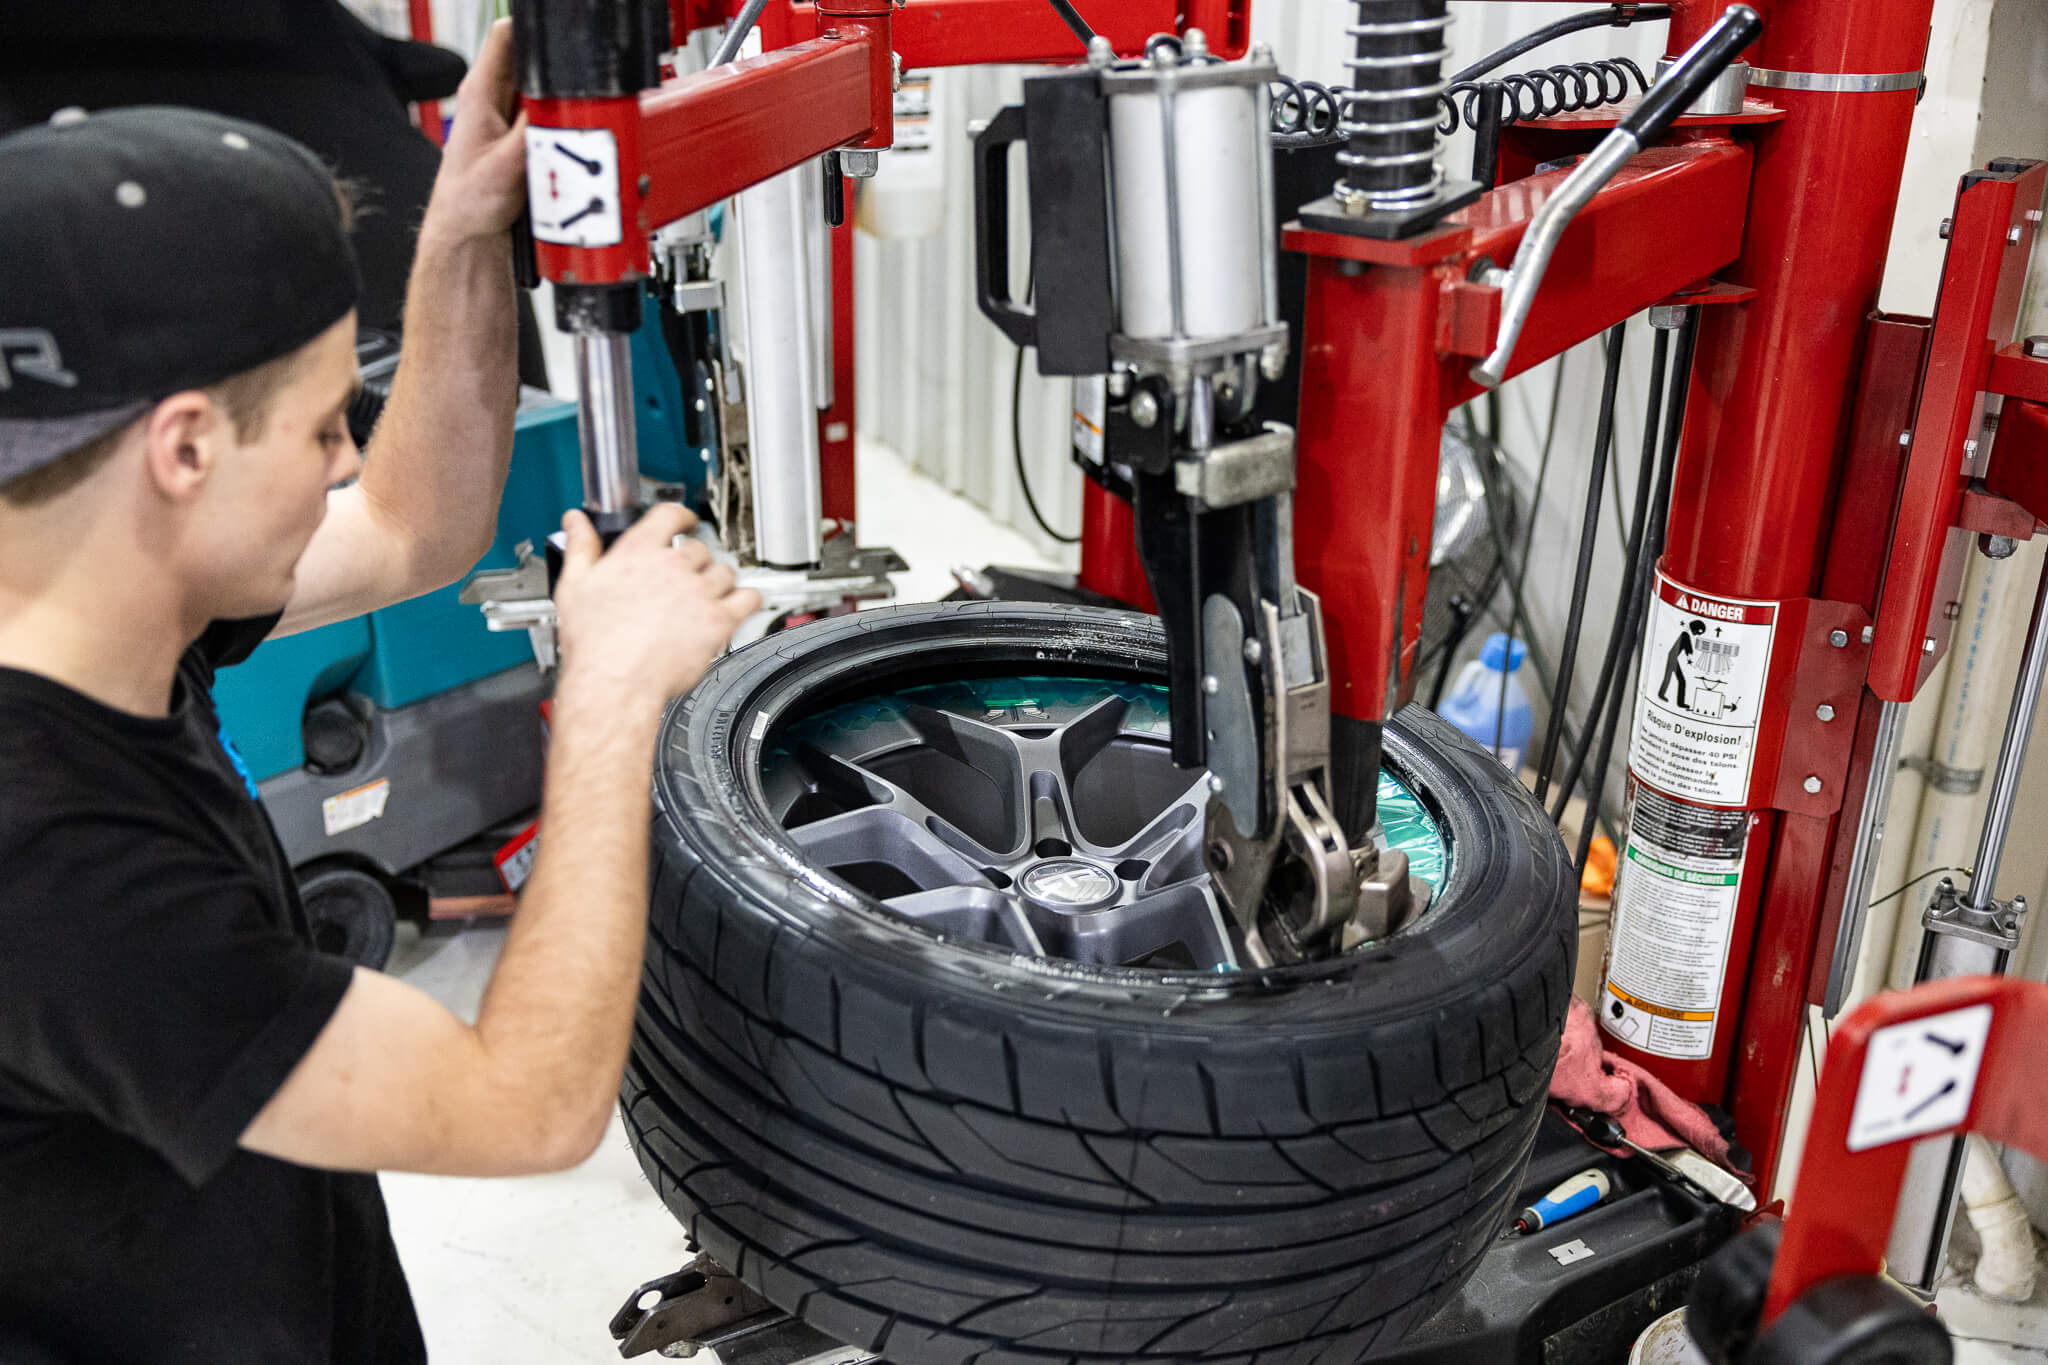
x=156, y=988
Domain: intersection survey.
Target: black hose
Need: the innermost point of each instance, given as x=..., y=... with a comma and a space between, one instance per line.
x=1652, y=549
x=1646, y=479
x=1582, y=574
x=1614, y=16
x=1515, y=612
x=1017, y=434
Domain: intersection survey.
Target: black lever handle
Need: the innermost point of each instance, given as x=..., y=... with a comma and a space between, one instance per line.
x=1692, y=73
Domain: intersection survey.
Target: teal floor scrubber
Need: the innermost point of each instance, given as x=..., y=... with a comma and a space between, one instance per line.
x=399, y=753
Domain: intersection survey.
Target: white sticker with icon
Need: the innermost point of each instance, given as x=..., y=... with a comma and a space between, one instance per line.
x=572, y=186
x=1919, y=1077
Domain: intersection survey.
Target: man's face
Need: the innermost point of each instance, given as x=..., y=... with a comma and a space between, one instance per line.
x=266, y=497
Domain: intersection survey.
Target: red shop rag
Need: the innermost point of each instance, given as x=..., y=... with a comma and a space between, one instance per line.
x=1651, y=1113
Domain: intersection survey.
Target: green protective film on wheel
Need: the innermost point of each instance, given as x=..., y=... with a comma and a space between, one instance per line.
x=1026, y=701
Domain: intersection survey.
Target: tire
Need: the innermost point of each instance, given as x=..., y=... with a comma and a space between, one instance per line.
x=350, y=912
x=943, y=1152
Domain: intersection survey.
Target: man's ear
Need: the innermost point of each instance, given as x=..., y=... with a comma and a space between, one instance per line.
x=181, y=443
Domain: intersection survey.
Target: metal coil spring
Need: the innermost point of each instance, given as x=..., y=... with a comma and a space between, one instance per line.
x=1305, y=113
x=1369, y=115
x=1543, y=93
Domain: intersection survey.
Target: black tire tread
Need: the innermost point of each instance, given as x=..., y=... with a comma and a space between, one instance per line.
x=945, y=1173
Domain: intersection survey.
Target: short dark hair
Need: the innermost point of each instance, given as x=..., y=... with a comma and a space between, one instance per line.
x=246, y=397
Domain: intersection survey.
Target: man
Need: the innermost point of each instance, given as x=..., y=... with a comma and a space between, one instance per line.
x=1674, y=662
x=190, y=1097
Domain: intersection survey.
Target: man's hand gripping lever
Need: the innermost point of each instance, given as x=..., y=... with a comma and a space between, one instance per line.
x=601, y=319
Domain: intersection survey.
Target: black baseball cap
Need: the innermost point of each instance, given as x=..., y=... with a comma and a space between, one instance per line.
x=147, y=250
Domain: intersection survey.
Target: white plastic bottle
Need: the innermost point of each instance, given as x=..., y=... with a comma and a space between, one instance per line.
x=1475, y=702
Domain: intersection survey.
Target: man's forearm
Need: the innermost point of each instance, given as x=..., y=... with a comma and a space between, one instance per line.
x=436, y=466
x=558, y=1013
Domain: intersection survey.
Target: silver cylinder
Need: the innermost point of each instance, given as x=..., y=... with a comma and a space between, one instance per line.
x=1927, y=1199
x=2012, y=754
x=1186, y=146
x=781, y=362
x=604, y=425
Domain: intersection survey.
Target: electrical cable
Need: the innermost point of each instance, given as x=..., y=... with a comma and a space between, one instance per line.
x=1582, y=574
x=1646, y=478
x=1017, y=432
x=736, y=36
x=1652, y=547
x=1614, y=16
x=1528, y=545
x=1621, y=527
x=1912, y=882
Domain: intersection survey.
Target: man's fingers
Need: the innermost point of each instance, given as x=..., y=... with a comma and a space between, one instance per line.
x=583, y=547
x=719, y=577
x=494, y=73
x=696, y=555
x=660, y=524
x=741, y=604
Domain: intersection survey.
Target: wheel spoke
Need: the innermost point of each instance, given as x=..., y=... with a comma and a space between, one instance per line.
x=976, y=912
x=1180, y=923
x=888, y=837
x=1089, y=733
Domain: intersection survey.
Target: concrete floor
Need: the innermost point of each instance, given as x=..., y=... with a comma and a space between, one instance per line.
x=530, y=1270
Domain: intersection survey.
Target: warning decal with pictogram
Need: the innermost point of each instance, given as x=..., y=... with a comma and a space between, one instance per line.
x=1700, y=695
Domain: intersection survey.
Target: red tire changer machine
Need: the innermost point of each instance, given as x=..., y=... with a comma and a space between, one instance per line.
x=1827, y=468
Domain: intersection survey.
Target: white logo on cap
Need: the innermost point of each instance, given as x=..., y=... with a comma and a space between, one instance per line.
x=35, y=357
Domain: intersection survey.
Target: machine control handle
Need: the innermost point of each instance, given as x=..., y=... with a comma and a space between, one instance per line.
x=1687, y=79
x=525, y=260
x=992, y=227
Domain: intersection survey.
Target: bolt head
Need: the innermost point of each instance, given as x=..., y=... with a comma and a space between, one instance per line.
x=1100, y=53
x=1812, y=785
x=2013, y=233
x=1667, y=317
x=1927, y=645
x=1253, y=652
x=2036, y=347
x=1195, y=43
x=1948, y=225
x=1211, y=684
x=1869, y=634
x=1839, y=639
x=1144, y=408
x=1824, y=712
x=1996, y=547
x=1905, y=438
x=1215, y=785
x=861, y=163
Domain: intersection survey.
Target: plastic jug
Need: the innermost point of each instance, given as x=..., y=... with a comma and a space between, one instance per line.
x=1474, y=703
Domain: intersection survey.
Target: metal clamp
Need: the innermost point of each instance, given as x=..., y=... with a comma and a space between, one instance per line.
x=1996, y=926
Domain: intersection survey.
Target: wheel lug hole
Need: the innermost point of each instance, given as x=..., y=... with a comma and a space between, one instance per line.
x=1131, y=869
x=1052, y=848
x=1219, y=856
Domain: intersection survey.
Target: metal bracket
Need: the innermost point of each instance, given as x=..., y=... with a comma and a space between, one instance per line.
x=517, y=599
x=1996, y=926
x=1239, y=471
x=704, y=1308
x=1944, y=779
x=1817, y=678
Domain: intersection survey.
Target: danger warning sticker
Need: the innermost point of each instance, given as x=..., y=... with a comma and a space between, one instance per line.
x=1674, y=913
x=1701, y=694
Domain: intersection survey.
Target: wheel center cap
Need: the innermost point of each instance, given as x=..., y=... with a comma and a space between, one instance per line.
x=1070, y=884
